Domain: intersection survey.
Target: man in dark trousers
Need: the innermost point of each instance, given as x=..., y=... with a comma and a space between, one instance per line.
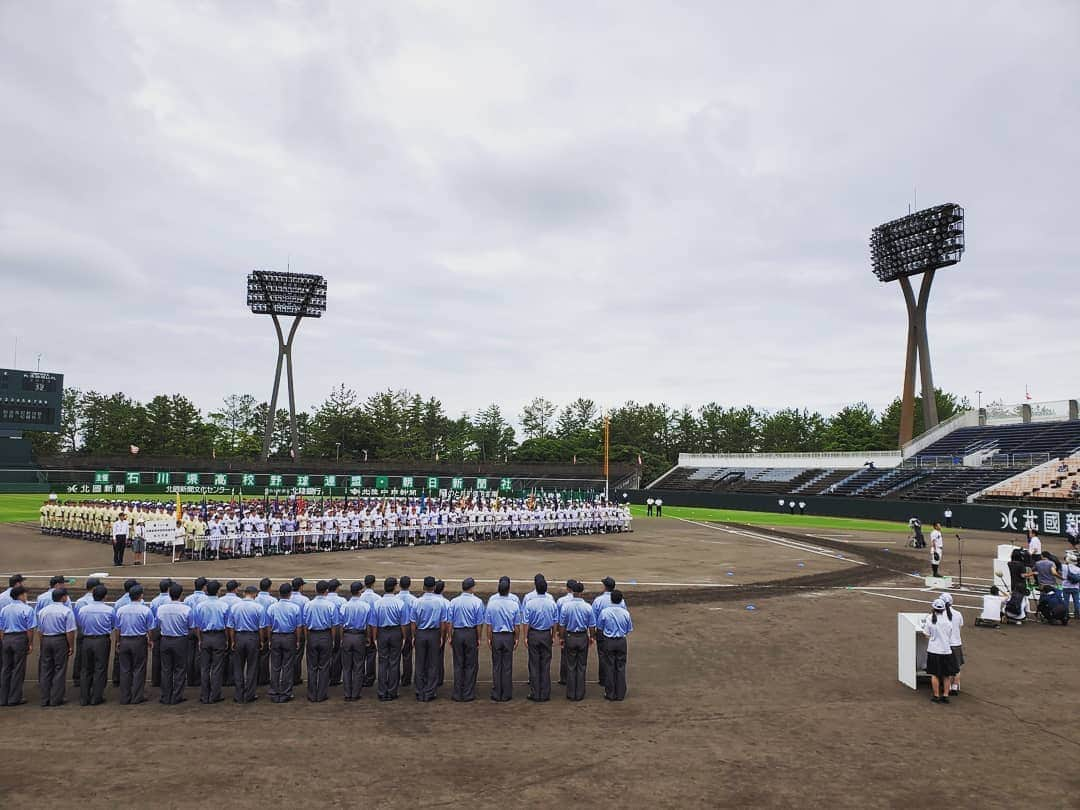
x=176, y=622
x=467, y=621
x=575, y=625
x=356, y=627
x=246, y=626
x=406, y=597
x=322, y=620
x=134, y=626
x=194, y=674
x=391, y=618
x=615, y=626
x=56, y=640
x=286, y=630
x=562, y=600
x=96, y=620
x=502, y=617
x=426, y=615
x=598, y=604
x=85, y=599
x=209, y=616
x=538, y=620
x=155, y=634
x=17, y=623
x=371, y=650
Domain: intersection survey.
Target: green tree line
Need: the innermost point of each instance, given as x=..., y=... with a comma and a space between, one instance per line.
x=402, y=425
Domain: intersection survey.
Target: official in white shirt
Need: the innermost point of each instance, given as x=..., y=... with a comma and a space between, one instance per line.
x=937, y=549
x=120, y=529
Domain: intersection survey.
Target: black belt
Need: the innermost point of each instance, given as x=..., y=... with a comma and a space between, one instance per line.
x=212, y=632
x=98, y=635
x=246, y=632
x=352, y=632
x=16, y=633
x=575, y=632
x=284, y=633
x=503, y=632
x=318, y=629
x=613, y=638
x=138, y=635
x=467, y=627
x=389, y=626
x=166, y=635
x=54, y=635
x=539, y=629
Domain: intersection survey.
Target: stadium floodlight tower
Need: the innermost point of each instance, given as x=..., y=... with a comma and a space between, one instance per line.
x=918, y=244
x=283, y=294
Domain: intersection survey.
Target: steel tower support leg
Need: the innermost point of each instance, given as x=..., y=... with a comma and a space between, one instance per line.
x=930, y=417
x=907, y=395
x=268, y=434
x=918, y=347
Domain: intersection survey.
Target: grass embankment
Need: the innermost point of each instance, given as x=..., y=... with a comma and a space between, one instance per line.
x=776, y=519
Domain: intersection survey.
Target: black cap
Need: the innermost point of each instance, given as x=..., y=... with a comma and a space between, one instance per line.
x=321, y=586
x=14, y=580
x=164, y=584
x=57, y=579
x=136, y=591
x=429, y=582
x=200, y=582
x=231, y=585
x=356, y=587
x=389, y=584
x=608, y=583
x=285, y=589
x=369, y=580
x=333, y=583
x=297, y=582
x=100, y=592
x=570, y=584
x=467, y=583
x=92, y=582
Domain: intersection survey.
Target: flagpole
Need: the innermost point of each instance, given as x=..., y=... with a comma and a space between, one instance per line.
x=607, y=453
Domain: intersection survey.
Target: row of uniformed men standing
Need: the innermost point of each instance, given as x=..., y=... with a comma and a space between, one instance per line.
x=193, y=640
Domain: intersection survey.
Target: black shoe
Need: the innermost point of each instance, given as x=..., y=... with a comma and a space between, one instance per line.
x=944, y=699
x=935, y=699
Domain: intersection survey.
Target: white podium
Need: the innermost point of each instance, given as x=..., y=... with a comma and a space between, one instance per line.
x=910, y=648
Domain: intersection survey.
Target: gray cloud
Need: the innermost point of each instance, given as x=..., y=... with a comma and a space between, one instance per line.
x=618, y=201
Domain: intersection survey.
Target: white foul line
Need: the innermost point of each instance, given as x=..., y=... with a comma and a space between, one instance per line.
x=792, y=544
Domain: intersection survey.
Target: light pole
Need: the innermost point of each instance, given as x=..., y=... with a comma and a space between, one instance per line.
x=298, y=294
x=337, y=451
x=978, y=394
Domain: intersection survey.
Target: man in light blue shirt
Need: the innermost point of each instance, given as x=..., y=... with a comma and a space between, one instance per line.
x=76, y=606
x=155, y=634
x=210, y=615
x=502, y=616
x=45, y=597
x=322, y=620
x=467, y=622
x=96, y=620
x=371, y=651
x=335, y=653
x=5, y=597
x=134, y=625
x=125, y=598
x=194, y=670
x=230, y=599
x=427, y=630
x=538, y=619
x=56, y=636
x=247, y=630
x=408, y=641
x=17, y=623
x=598, y=605
x=357, y=616
x=299, y=598
x=615, y=626
x=575, y=623
x=176, y=622
x=391, y=618
x=286, y=630
x=444, y=638
x=266, y=599
x=562, y=600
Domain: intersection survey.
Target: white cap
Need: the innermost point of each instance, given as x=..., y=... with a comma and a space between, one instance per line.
x=939, y=604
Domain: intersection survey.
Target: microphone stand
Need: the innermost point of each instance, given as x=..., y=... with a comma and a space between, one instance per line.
x=960, y=558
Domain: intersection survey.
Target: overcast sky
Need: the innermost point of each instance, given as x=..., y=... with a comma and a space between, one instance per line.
x=649, y=200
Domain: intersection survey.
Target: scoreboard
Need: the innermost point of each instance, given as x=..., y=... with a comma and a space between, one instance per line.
x=30, y=400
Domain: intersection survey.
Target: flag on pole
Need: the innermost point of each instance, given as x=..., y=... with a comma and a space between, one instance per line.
x=1027, y=394
x=179, y=509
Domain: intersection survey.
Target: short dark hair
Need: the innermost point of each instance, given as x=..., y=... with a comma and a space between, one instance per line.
x=231, y=585
x=212, y=587
x=14, y=580
x=994, y=590
x=164, y=585
x=285, y=589
x=356, y=587
x=200, y=582
x=265, y=583
x=369, y=580
x=405, y=581
x=175, y=590
x=59, y=594
x=17, y=591
x=136, y=592
x=616, y=597
x=56, y=579
x=100, y=592
x=297, y=582
x=321, y=586
x=541, y=586
x=439, y=586
x=389, y=584
x=251, y=589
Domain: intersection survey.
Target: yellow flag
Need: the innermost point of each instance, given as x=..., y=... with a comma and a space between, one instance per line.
x=179, y=511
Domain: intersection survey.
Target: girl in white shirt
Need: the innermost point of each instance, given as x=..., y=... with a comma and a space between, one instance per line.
x=940, y=664
x=955, y=642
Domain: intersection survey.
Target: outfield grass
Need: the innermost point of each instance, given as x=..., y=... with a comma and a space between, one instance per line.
x=776, y=519
x=19, y=507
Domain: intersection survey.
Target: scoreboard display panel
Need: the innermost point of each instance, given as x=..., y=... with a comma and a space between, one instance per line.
x=30, y=400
